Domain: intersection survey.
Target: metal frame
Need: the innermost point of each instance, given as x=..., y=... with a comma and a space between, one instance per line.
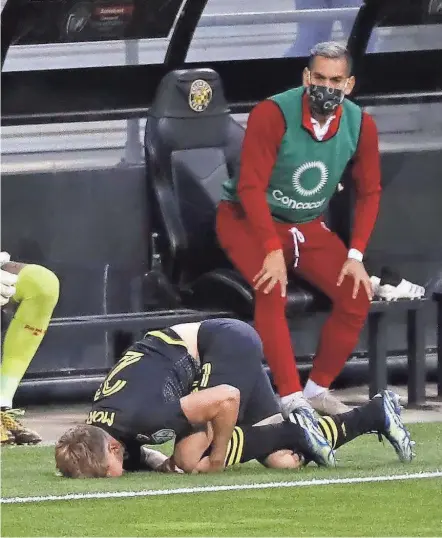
x=9, y=24
x=378, y=323
x=129, y=90
x=183, y=33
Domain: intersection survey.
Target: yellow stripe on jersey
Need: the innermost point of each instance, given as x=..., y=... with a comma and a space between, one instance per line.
x=166, y=338
x=207, y=370
x=203, y=381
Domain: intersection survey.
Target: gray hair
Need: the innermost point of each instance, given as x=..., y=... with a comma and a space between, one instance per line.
x=330, y=49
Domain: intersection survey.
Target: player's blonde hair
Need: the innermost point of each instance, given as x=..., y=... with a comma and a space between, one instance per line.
x=82, y=452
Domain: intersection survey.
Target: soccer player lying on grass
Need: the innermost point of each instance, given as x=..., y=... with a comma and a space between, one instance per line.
x=204, y=384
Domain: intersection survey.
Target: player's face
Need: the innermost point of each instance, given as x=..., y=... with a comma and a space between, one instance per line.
x=115, y=460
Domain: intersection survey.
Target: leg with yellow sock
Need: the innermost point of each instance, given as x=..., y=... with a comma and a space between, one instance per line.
x=381, y=415
x=281, y=445
x=37, y=291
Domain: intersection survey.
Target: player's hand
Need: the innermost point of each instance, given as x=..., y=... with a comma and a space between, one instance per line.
x=273, y=270
x=7, y=281
x=209, y=465
x=168, y=466
x=356, y=270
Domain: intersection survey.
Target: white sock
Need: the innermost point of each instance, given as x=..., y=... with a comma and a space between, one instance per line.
x=311, y=389
x=5, y=402
x=289, y=397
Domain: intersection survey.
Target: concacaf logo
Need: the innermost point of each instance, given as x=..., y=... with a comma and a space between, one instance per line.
x=200, y=95
x=322, y=178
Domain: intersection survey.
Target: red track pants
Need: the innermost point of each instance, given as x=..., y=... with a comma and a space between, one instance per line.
x=321, y=257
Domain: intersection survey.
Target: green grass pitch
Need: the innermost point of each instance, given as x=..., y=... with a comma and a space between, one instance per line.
x=374, y=508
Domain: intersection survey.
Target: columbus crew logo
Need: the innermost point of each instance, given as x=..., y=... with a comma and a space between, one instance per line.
x=200, y=95
x=320, y=184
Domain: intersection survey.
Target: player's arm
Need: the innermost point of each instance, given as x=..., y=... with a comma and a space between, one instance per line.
x=366, y=174
x=265, y=129
x=219, y=407
x=189, y=450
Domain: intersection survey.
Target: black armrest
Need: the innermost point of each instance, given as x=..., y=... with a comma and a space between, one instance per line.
x=227, y=289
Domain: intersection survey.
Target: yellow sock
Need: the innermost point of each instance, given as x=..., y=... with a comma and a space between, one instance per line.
x=37, y=295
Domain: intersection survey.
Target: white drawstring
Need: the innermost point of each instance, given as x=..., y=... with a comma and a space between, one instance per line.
x=298, y=237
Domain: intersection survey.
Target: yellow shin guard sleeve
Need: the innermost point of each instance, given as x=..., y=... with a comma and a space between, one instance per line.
x=37, y=295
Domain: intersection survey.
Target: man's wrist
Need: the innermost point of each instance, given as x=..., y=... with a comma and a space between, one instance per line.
x=355, y=254
x=272, y=244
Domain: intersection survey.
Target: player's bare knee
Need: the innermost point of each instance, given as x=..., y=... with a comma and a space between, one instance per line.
x=283, y=459
x=186, y=464
x=187, y=459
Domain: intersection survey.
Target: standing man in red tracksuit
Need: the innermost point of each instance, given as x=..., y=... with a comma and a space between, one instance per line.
x=296, y=148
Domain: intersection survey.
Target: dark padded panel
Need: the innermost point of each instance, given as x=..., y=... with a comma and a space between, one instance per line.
x=88, y=226
x=206, y=166
x=198, y=176
x=177, y=133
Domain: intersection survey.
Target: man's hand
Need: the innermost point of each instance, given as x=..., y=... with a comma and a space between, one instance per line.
x=356, y=270
x=274, y=269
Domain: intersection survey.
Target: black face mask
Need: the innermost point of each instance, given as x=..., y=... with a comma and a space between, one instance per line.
x=324, y=100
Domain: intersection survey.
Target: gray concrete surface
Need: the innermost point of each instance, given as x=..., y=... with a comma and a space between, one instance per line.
x=52, y=421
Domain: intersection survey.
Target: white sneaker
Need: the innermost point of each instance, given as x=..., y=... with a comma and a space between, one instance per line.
x=404, y=290
x=391, y=286
x=327, y=404
x=293, y=401
x=375, y=285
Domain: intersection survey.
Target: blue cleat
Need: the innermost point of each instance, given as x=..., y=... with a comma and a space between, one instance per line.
x=320, y=450
x=394, y=429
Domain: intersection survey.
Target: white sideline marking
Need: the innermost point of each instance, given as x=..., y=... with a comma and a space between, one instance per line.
x=206, y=489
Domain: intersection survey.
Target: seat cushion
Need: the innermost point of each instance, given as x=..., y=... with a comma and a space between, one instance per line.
x=228, y=290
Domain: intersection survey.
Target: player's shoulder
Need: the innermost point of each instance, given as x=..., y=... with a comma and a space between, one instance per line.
x=265, y=110
x=368, y=122
x=266, y=119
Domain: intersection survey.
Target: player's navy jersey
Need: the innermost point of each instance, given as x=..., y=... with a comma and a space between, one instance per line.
x=139, y=401
x=140, y=396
